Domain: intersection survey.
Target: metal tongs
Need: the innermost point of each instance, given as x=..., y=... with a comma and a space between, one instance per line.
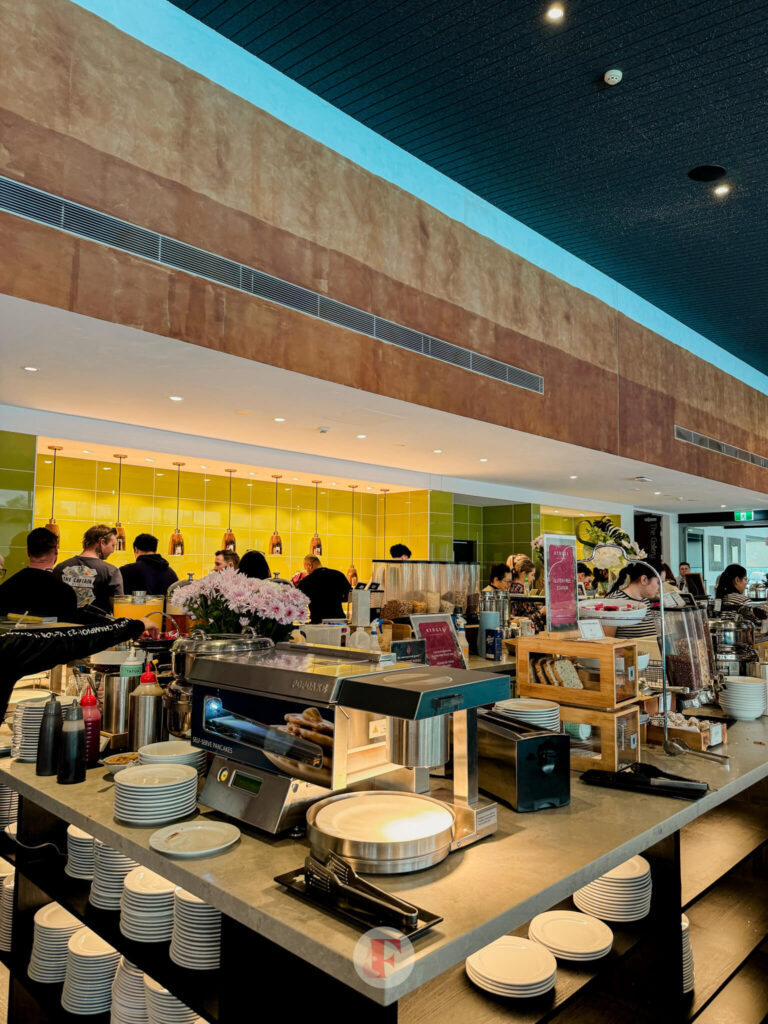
x=338, y=878
x=675, y=747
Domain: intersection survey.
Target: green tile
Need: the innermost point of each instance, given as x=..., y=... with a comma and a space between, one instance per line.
x=15, y=524
x=17, y=488
x=498, y=534
x=15, y=559
x=475, y=513
x=461, y=513
x=521, y=513
x=17, y=451
x=441, y=550
x=495, y=514
x=441, y=502
x=441, y=526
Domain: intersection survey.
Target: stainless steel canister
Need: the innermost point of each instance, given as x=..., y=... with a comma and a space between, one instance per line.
x=419, y=744
x=146, y=718
x=115, y=694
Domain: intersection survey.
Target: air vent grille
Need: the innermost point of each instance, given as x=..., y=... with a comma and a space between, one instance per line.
x=75, y=219
x=712, y=445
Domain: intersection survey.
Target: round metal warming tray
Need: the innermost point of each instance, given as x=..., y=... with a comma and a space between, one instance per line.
x=382, y=832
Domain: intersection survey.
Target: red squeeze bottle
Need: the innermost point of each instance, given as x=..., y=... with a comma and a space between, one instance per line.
x=92, y=722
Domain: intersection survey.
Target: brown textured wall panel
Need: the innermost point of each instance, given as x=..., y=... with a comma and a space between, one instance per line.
x=106, y=284
x=81, y=79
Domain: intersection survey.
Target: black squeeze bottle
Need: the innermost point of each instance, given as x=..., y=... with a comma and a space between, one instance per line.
x=50, y=738
x=72, y=746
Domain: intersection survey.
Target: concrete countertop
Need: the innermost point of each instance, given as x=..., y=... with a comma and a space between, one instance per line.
x=532, y=862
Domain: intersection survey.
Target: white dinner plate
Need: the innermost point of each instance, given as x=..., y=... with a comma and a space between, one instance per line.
x=571, y=934
x=194, y=838
x=512, y=960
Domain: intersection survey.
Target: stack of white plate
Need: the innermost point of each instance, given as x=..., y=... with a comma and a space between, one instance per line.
x=155, y=794
x=6, y=912
x=569, y=935
x=743, y=697
x=688, y=972
x=81, y=851
x=513, y=967
x=9, y=805
x=129, y=1000
x=27, y=718
x=544, y=714
x=196, y=939
x=146, y=907
x=54, y=926
x=91, y=967
x=624, y=894
x=173, y=752
x=163, y=1008
x=109, y=871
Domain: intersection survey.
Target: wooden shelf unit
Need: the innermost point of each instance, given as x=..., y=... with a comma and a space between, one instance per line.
x=608, y=689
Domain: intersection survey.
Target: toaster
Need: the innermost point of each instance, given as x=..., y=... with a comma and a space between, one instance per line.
x=522, y=766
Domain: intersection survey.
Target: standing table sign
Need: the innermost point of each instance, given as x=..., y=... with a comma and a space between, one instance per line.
x=440, y=636
x=560, y=575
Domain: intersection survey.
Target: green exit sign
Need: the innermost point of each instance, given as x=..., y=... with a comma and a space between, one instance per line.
x=743, y=517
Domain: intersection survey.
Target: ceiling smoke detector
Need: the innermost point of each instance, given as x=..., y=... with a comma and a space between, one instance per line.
x=612, y=76
x=644, y=479
x=322, y=430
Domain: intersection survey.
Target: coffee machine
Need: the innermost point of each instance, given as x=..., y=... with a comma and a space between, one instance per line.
x=299, y=723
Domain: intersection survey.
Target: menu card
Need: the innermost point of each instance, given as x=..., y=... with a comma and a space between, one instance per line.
x=561, y=582
x=441, y=640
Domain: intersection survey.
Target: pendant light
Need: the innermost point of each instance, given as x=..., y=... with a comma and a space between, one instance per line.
x=228, y=541
x=52, y=525
x=176, y=546
x=118, y=525
x=352, y=571
x=385, y=492
x=275, y=542
x=316, y=545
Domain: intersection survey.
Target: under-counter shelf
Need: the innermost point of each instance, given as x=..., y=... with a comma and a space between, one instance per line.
x=198, y=989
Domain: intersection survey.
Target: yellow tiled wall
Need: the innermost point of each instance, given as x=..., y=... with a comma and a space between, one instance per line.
x=86, y=493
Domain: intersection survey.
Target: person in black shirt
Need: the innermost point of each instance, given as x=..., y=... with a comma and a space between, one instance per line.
x=325, y=588
x=150, y=572
x=36, y=590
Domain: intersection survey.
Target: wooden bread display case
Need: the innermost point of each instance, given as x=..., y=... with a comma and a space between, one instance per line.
x=608, y=740
x=587, y=673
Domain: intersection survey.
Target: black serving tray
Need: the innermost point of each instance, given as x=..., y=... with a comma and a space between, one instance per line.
x=295, y=882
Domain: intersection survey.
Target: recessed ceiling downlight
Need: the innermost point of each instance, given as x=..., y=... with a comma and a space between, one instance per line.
x=707, y=172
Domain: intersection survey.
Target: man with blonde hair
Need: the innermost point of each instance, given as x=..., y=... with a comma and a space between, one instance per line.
x=94, y=582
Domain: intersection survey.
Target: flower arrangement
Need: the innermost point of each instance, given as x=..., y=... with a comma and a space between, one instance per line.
x=227, y=602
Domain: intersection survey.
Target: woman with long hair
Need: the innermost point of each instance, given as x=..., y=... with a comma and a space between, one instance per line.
x=732, y=585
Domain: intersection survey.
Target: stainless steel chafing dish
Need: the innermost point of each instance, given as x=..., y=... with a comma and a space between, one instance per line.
x=301, y=723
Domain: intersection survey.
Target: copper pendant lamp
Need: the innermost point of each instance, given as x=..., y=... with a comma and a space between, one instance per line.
x=385, y=492
x=275, y=541
x=316, y=545
x=176, y=546
x=352, y=571
x=120, y=532
x=228, y=542
x=52, y=525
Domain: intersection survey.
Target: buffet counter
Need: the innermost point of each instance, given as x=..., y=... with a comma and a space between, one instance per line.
x=490, y=888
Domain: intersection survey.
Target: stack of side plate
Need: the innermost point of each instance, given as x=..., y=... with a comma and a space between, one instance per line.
x=146, y=907
x=54, y=926
x=9, y=805
x=155, y=794
x=110, y=869
x=688, y=972
x=196, y=941
x=81, y=852
x=513, y=967
x=743, y=697
x=544, y=714
x=623, y=894
x=6, y=912
x=27, y=719
x=569, y=935
x=163, y=1008
x=173, y=752
x=91, y=967
x=129, y=1000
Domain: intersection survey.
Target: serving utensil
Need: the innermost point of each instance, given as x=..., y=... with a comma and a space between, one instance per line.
x=675, y=747
x=320, y=877
x=346, y=873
